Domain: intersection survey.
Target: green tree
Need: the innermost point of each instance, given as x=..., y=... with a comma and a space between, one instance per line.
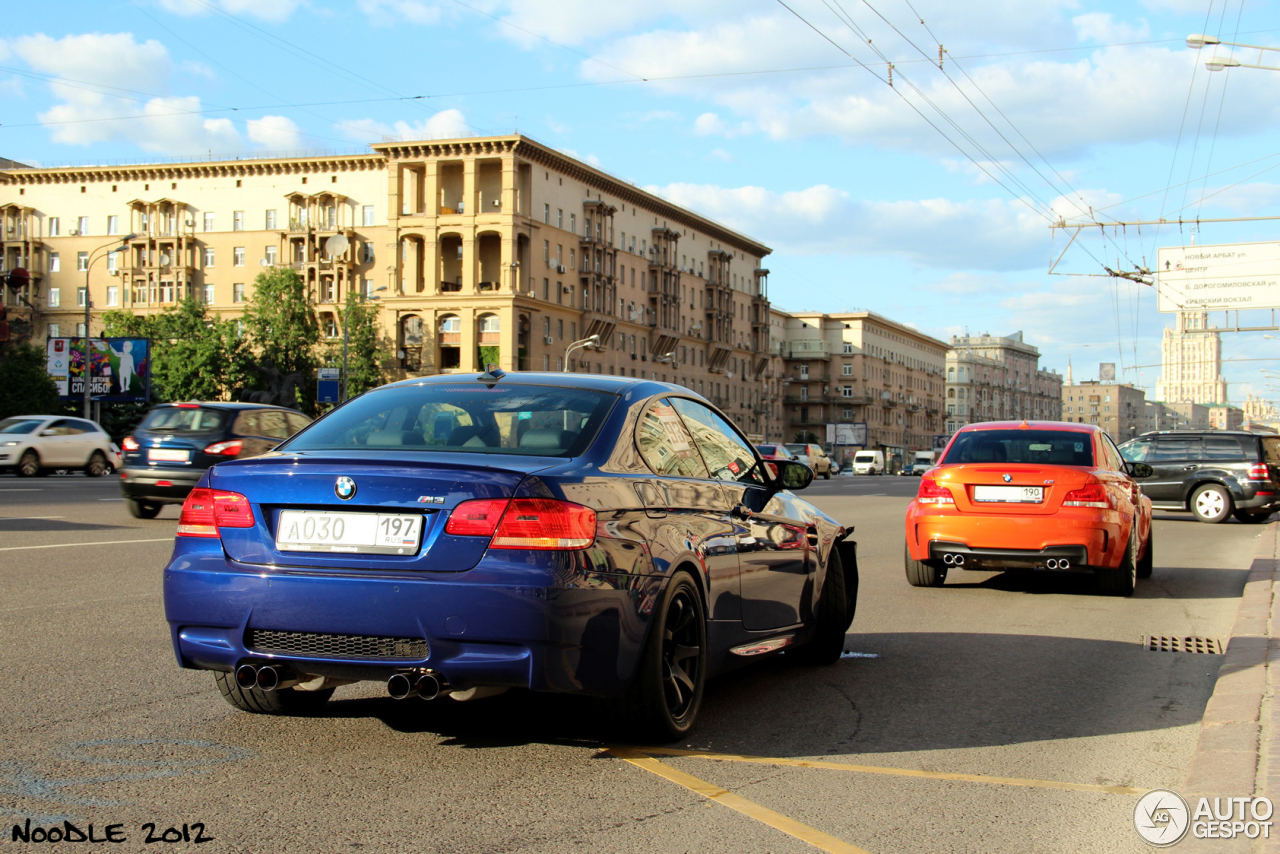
x=27, y=388
x=367, y=348
x=280, y=321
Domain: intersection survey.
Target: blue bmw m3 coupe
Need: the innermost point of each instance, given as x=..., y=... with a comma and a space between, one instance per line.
x=461, y=535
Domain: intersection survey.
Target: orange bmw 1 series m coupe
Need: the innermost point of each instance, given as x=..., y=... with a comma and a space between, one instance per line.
x=1043, y=495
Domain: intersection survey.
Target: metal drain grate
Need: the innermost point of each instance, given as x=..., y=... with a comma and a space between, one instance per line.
x=336, y=646
x=1161, y=643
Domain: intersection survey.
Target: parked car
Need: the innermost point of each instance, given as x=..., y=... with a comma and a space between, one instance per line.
x=868, y=462
x=461, y=535
x=1214, y=474
x=814, y=457
x=1050, y=496
x=917, y=469
x=37, y=444
x=770, y=451
x=169, y=451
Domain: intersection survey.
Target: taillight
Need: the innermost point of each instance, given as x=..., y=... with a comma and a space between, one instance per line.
x=525, y=523
x=931, y=493
x=129, y=443
x=230, y=448
x=1259, y=471
x=207, y=510
x=1089, y=495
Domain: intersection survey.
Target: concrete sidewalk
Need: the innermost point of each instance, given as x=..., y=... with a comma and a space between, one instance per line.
x=1238, y=754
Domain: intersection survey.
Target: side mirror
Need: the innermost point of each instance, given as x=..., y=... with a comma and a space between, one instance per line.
x=1139, y=470
x=791, y=474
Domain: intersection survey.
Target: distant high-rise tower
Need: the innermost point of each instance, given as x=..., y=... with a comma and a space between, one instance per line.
x=1191, y=362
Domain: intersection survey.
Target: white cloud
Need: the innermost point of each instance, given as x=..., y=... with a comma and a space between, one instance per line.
x=394, y=13
x=710, y=124
x=973, y=235
x=83, y=116
x=721, y=154
x=1103, y=27
x=445, y=124
x=276, y=133
x=266, y=10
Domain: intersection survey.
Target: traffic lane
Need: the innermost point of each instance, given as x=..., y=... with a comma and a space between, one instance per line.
x=71, y=509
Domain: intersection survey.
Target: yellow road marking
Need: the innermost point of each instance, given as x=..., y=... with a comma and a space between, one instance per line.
x=789, y=826
x=897, y=772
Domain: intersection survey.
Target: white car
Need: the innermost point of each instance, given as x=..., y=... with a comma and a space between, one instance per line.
x=36, y=444
x=814, y=457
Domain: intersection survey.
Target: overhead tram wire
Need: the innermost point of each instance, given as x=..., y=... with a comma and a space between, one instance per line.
x=1204, y=104
x=1226, y=80
x=914, y=108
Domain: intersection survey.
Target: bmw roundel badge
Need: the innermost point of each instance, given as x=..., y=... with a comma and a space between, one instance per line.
x=345, y=488
x=1007, y=478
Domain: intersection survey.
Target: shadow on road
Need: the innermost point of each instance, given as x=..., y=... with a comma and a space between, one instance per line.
x=1192, y=583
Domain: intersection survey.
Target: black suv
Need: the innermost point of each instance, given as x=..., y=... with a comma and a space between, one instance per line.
x=168, y=452
x=1214, y=474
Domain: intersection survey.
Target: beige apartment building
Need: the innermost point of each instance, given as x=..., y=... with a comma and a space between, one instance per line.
x=1191, y=362
x=998, y=378
x=1119, y=409
x=497, y=248
x=861, y=368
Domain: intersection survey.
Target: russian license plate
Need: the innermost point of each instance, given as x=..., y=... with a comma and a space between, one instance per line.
x=353, y=533
x=1008, y=494
x=168, y=455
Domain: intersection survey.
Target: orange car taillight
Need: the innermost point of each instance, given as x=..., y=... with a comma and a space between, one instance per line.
x=230, y=448
x=207, y=510
x=1089, y=495
x=1259, y=471
x=525, y=523
x=931, y=493
x=129, y=443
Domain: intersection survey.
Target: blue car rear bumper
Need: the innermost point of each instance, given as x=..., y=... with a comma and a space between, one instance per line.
x=547, y=621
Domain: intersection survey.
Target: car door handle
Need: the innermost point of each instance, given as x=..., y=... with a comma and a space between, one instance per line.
x=1190, y=468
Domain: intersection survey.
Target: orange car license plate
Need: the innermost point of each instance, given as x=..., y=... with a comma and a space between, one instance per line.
x=1008, y=494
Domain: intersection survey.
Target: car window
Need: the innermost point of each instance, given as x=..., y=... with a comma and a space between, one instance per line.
x=800, y=450
x=1222, y=448
x=547, y=421
x=273, y=425
x=1175, y=448
x=20, y=425
x=1114, y=461
x=728, y=456
x=246, y=424
x=666, y=445
x=184, y=419
x=66, y=427
x=1044, y=447
x=296, y=421
x=1136, y=451
x=1271, y=450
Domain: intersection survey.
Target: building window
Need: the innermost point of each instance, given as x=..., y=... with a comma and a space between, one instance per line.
x=82, y=226
x=208, y=256
x=113, y=295
x=53, y=230
x=368, y=252
x=367, y=215
x=271, y=220
x=846, y=370
x=490, y=330
x=54, y=330
x=82, y=261
x=79, y=330
x=546, y=213
x=846, y=391
x=237, y=292
x=573, y=223
x=55, y=298
x=80, y=297
x=208, y=222
x=559, y=218
x=269, y=253
x=237, y=220
x=237, y=256
x=55, y=262
x=847, y=413
x=208, y=294
x=113, y=225
x=546, y=251
x=113, y=262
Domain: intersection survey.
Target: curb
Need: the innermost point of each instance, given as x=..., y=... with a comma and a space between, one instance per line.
x=1238, y=753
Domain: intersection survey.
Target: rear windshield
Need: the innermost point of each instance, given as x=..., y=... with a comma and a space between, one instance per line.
x=184, y=419
x=799, y=449
x=864, y=458
x=20, y=425
x=1046, y=447
x=767, y=449
x=540, y=421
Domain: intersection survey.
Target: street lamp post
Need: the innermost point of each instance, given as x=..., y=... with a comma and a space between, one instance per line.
x=345, y=339
x=1218, y=63
x=118, y=244
x=589, y=341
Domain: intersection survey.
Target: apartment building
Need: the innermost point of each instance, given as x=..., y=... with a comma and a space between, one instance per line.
x=863, y=369
x=998, y=378
x=1118, y=408
x=1226, y=417
x=487, y=249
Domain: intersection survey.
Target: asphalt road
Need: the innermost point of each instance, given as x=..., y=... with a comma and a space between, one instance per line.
x=1035, y=681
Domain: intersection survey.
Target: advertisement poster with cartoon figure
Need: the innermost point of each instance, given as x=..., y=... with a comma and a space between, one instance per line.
x=119, y=368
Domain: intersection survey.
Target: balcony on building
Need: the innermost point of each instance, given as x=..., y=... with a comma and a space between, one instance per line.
x=806, y=348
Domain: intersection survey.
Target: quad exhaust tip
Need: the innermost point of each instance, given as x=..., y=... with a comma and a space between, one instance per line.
x=268, y=677
x=427, y=685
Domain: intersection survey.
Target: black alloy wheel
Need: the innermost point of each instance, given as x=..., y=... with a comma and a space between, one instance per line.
x=667, y=691
x=682, y=652
x=142, y=509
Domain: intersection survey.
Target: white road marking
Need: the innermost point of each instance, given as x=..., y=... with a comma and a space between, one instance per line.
x=21, y=489
x=11, y=518
x=99, y=543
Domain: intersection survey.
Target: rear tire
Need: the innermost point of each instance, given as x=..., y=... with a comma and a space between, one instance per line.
x=921, y=574
x=290, y=701
x=666, y=691
x=1121, y=580
x=1252, y=518
x=1146, y=564
x=29, y=465
x=142, y=509
x=1211, y=503
x=832, y=617
x=97, y=466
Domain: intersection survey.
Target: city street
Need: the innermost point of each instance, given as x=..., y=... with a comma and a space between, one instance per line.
x=996, y=714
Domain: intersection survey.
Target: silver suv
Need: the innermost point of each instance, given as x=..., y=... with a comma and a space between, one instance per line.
x=814, y=457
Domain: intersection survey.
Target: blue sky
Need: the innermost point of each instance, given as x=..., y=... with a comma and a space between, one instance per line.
x=776, y=121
